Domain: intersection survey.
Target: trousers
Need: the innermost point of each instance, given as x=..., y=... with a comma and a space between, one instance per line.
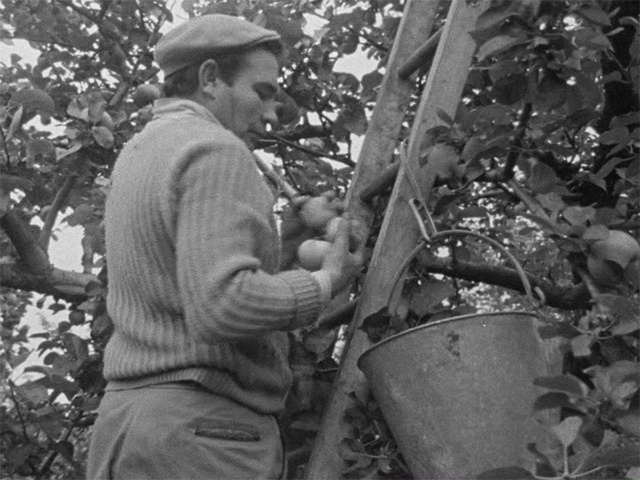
x=179, y=431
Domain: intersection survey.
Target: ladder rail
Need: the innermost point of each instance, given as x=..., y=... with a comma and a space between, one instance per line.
x=398, y=234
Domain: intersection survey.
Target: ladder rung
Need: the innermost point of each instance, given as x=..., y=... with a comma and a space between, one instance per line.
x=421, y=57
x=381, y=181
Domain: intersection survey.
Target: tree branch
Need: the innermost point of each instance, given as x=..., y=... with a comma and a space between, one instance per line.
x=34, y=272
x=315, y=153
x=85, y=12
x=303, y=132
x=64, y=284
x=52, y=214
x=32, y=255
x=564, y=298
x=368, y=39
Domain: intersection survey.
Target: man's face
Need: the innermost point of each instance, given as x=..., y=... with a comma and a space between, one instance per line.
x=247, y=105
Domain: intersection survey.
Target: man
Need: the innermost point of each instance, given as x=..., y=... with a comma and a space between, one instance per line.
x=197, y=364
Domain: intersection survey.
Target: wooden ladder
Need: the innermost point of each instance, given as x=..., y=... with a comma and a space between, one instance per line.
x=452, y=50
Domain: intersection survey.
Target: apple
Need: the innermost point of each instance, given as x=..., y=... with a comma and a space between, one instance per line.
x=604, y=272
x=607, y=259
x=318, y=211
x=145, y=94
x=311, y=253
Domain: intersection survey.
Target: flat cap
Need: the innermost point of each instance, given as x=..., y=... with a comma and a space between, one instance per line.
x=200, y=38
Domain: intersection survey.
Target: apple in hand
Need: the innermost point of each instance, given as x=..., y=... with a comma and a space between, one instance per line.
x=311, y=253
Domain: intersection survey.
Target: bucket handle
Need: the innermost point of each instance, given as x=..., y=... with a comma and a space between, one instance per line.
x=425, y=240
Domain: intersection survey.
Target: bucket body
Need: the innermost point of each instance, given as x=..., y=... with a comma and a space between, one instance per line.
x=458, y=394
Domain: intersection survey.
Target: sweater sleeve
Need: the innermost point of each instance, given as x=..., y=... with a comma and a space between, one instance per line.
x=223, y=232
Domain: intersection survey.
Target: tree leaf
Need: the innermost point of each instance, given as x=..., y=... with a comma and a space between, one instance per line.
x=578, y=215
x=595, y=233
x=567, y=383
x=632, y=275
x=581, y=345
x=78, y=108
x=82, y=214
x=567, y=430
x=76, y=346
x=33, y=99
x=16, y=122
x=625, y=311
x=551, y=93
x=444, y=116
x=429, y=294
x=64, y=448
x=33, y=392
x=493, y=17
x=8, y=183
x=39, y=146
x=510, y=89
x=369, y=83
x=612, y=455
x=543, y=178
x=103, y=137
x=497, y=45
x=551, y=400
x=630, y=423
x=376, y=324
x=615, y=136
x=97, y=106
x=39, y=369
x=592, y=12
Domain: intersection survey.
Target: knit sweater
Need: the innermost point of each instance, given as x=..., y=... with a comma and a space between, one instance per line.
x=193, y=257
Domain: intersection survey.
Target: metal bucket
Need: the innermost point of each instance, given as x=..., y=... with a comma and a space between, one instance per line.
x=458, y=393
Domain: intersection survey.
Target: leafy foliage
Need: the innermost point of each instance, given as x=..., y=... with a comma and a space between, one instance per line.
x=541, y=156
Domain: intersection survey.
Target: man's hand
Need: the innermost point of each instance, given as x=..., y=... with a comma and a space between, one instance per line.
x=342, y=265
x=305, y=218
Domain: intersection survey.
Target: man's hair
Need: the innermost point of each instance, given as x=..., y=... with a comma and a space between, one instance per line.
x=185, y=81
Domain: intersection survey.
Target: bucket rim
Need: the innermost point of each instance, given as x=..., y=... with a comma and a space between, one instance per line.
x=437, y=323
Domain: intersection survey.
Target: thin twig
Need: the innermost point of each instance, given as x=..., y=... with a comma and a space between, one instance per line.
x=373, y=43
x=507, y=172
x=46, y=464
x=277, y=138
x=18, y=410
x=532, y=204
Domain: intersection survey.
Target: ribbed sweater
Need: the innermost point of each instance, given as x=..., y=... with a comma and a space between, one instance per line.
x=193, y=256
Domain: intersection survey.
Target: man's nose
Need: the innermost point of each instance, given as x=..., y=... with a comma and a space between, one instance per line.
x=270, y=115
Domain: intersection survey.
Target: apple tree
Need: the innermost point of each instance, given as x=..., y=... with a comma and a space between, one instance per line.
x=542, y=157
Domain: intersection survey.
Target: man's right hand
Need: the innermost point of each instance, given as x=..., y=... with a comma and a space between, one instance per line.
x=342, y=265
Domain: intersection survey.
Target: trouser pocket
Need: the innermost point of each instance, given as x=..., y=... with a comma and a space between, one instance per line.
x=227, y=430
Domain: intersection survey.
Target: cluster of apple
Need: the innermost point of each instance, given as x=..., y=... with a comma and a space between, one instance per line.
x=323, y=215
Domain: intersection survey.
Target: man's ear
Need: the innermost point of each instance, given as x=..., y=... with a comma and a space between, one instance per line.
x=208, y=77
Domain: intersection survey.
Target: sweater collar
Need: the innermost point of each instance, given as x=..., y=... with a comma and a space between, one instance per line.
x=170, y=106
